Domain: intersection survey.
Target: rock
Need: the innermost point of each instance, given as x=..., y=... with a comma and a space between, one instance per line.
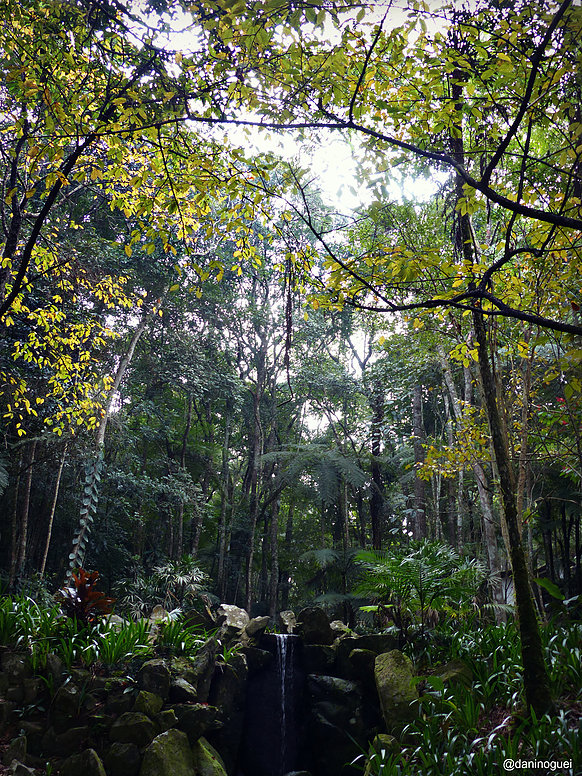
x=15, y=666
x=19, y=769
x=119, y=701
x=313, y=626
x=16, y=750
x=169, y=754
x=362, y=663
x=165, y=720
x=148, y=703
x=382, y=745
x=257, y=626
x=133, y=728
x=6, y=712
x=229, y=693
x=31, y=687
x=455, y=672
x=197, y=719
x=122, y=759
x=256, y=658
x=207, y=760
x=15, y=694
x=154, y=676
x=234, y=616
x=375, y=642
x=287, y=621
x=397, y=693
x=181, y=691
x=116, y=622
x=88, y=763
x=71, y=741
x=67, y=700
x=55, y=669
x=336, y=728
x=339, y=627
x=198, y=671
x=159, y=614
x=318, y=658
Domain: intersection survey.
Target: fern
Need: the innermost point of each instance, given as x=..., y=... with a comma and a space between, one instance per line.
x=425, y=576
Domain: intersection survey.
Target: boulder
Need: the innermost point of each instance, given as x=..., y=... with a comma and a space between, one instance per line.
x=88, y=763
x=229, y=693
x=165, y=720
x=19, y=769
x=133, y=728
x=256, y=626
x=169, y=754
x=455, y=672
x=198, y=670
x=71, y=741
x=287, y=621
x=181, y=691
x=16, y=750
x=383, y=745
x=154, y=676
x=336, y=727
x=207, y=761
x=233, y=616
x=396, y=690
x=148, y=703
x=256, y=658
x=15, y=666
x=197, y=719
x=375, y=642
x=313, y=626
x=122, y=759
x=318, y=658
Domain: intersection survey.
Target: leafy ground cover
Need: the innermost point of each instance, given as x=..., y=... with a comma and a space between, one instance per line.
x=474, y=727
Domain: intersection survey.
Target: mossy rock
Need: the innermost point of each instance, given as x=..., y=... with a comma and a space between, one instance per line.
x=169, y=754
x=397, y=692
x=207, y=760
x=88, y=763
x=148, y=703
x=133, y=727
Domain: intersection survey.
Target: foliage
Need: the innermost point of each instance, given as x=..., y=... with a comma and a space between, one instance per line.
x=174, y=584
x=411, y=581
x=475, y=729
x=81, y=600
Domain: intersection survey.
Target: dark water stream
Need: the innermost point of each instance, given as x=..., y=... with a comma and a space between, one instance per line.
x=273, y=731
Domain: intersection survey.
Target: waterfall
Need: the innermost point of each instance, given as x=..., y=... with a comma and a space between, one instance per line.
x=285, y=671
x=273, y=737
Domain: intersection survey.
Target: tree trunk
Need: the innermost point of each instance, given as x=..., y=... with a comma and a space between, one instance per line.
x=14, y=535
x=53, y=510
x=377, y=496
x=419, y=526
x=274, y=553
x=536, y=680
x=24, y=513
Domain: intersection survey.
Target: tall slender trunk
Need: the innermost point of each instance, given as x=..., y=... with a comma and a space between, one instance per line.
x=419, y=525
x=226, y=498
x=53, y=510
x=93, y=470
x=25, y=510
x=377, y=495
x=179, y=551
x=536, y=680
x=255, y=477
x=274, y=553
x=14, y=533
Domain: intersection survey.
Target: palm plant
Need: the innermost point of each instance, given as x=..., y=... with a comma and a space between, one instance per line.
x=411, y=582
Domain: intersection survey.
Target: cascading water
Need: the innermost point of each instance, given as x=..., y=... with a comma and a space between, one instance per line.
x=285, y=669
x=273, y=736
